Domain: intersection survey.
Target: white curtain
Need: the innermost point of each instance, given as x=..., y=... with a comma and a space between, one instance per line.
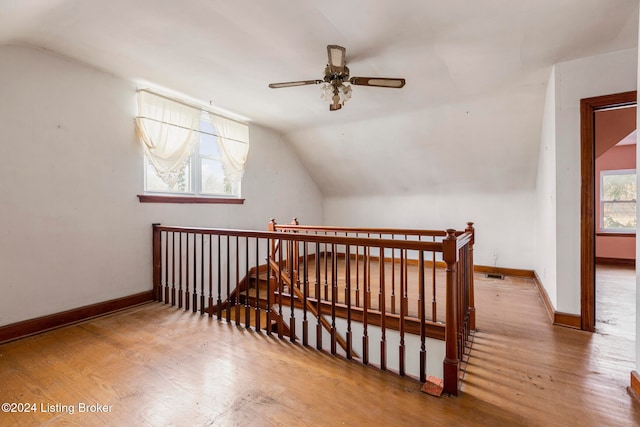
x=166, y=131
x=233, y=140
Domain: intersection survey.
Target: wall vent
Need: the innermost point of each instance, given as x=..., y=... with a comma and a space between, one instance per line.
x=495, y=276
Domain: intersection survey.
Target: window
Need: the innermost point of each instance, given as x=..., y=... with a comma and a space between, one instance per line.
x=618, y=200
x=190, y=151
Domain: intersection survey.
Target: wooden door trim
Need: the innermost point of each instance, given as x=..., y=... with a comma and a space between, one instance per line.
x=588, y=107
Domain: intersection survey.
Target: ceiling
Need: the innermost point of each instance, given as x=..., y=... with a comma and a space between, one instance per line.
x=468, y=118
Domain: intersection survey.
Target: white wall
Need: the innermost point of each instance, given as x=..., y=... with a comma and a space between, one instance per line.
x=546, y=204
x=583, y=78
x=72, y=230
x=503, y=221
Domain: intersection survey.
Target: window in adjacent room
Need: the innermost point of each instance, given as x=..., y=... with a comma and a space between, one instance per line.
x=190, y=151
x=618, y=200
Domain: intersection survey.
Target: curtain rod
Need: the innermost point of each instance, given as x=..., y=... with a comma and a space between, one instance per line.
x=193, y=130
x=192, y=105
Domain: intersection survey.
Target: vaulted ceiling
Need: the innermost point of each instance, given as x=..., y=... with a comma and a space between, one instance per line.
x=468, y=118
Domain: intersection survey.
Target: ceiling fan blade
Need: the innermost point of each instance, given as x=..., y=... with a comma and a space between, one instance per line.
x=377, y=82
x=291, y=84
x=336, y=58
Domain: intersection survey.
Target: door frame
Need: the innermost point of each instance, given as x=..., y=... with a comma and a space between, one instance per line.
x=588, y=107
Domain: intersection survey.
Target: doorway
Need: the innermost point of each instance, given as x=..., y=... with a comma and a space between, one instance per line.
x=588, y=224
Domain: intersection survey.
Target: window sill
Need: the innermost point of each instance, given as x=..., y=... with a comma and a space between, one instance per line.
x=610, y=234
x=148, y=198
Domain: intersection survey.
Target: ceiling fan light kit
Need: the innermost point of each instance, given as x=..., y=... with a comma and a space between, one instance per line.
x=336, y=84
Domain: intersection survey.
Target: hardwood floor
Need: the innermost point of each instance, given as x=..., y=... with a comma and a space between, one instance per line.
x=156, y=365
x=616, y=301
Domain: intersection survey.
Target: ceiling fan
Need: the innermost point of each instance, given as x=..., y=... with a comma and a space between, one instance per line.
x=336, y=74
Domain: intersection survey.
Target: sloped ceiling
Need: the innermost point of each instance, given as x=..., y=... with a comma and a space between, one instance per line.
x=468, y=119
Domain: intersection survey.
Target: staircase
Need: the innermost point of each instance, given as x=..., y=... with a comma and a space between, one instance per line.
x=248, y=305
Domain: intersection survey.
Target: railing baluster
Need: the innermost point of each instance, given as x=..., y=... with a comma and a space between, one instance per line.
x=292, y=274
x=403, y=307
x=201, y=274
x=269, y=308
x=187, y=296
x=365, y=306
x=326, y=273
x=383, y=315
x=347, y=261
x=238, y=290
x=358, y=275
x=421, y=302
x=247, y=303
x=305, y=292
x=347, y=275
x=471, y=291
x=418, y=302
x=257, y=285
x=434, y=312
x=318, y=301
x=367, y=273
x=405, y=282
x=166, y=267
x=180, y=292
x=280, y=290
x=334, y=295
x=219, y=301
x=210, y=311
x=195, y=273
x=173, y=268
x=229, y=278
x=393, y=279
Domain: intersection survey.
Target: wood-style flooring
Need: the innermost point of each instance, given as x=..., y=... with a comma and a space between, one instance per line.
x=155, y=365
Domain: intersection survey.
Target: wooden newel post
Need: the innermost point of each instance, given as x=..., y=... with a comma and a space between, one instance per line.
x=157, y=262
x=451, y=362
x=472, y=306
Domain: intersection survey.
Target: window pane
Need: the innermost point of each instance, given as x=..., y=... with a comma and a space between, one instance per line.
x=619, y=187
x=213, y=181
x=209, y=144
x=619, y=215
x=155, y=183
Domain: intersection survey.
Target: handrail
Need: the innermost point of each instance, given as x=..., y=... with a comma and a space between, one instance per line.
x=463, y=239
x=361, y=230
x=294, y=226
x=311, y=238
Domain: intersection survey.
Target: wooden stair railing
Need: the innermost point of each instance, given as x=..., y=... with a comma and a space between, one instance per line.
x=460, y=309
x=213, y=270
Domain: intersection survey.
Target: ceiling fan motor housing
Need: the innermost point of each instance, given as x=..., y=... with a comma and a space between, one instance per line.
x=336, y=78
